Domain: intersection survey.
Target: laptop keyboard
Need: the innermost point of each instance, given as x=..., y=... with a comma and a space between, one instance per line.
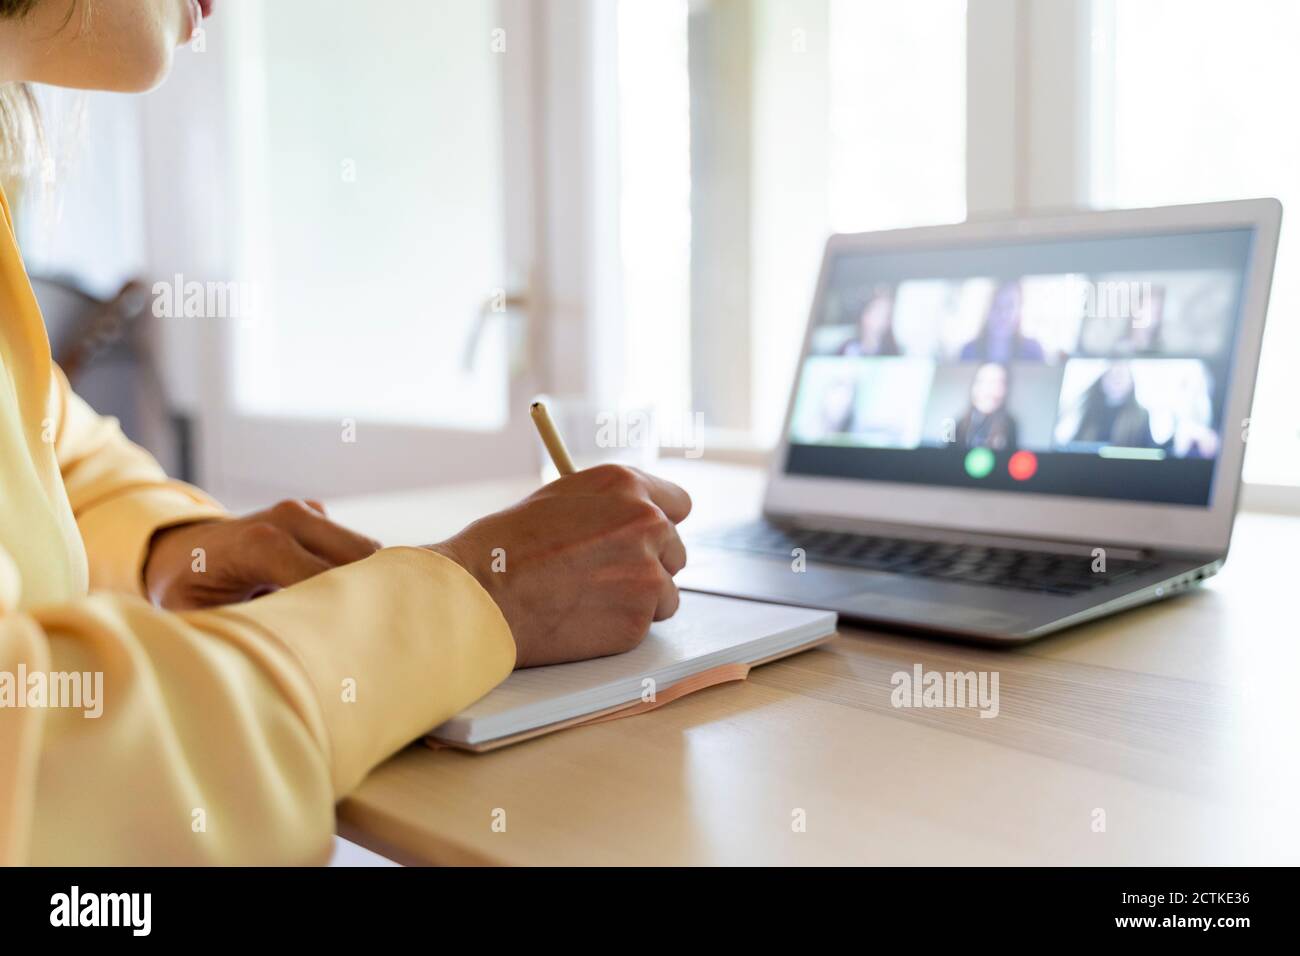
x=1042, y=571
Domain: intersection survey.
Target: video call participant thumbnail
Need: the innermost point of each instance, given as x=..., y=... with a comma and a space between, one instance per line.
x=1000, y=338
x=875, y=326
x=1159, y=404
x=986, y=422
x=994, y=406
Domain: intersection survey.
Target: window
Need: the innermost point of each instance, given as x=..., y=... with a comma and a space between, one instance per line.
x=1193, y=102
x=371, y=222
x=749, y=132
x=896, y=160
x=655, y=203
x=863, y=128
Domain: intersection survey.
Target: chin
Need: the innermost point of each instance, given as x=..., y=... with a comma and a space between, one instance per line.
x=131, y=45
x=143, y=82
x=139, y=74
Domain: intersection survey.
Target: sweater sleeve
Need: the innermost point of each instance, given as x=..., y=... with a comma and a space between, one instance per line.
x=119, y=494
x=225, y=736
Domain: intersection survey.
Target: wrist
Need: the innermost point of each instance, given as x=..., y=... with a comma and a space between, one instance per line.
x=452, y=551
x=155, y=554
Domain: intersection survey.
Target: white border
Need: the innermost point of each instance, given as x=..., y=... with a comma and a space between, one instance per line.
x=1060, y=517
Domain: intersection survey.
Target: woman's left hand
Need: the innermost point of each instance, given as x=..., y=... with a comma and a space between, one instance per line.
x=209, y=563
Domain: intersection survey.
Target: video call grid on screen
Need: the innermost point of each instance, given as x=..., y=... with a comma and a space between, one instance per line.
x=1090, y=367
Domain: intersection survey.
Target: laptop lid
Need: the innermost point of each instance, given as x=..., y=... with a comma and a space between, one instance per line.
x=1084, y=377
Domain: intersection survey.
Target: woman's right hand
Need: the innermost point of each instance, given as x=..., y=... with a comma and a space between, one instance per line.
x=581, y=567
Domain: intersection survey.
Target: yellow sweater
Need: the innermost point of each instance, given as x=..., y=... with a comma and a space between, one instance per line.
x=226, y=735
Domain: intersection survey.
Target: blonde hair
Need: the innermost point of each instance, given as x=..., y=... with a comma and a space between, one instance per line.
x=22, y=137
x=20, y=127
x=23, y=146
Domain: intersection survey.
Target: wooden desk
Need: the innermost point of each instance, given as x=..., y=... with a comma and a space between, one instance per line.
x=1178, y=720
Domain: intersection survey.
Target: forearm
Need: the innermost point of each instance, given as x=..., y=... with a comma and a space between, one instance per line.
x=227, y=735
x=119, y=494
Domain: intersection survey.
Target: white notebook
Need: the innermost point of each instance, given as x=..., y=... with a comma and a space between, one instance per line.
x=706, y=633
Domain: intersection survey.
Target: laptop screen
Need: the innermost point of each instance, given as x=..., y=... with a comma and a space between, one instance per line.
x=1095, y=367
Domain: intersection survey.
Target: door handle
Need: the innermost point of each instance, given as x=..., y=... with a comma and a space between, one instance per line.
x=513, y=306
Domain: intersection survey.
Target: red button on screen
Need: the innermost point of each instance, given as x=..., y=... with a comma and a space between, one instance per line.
x=1022, y=465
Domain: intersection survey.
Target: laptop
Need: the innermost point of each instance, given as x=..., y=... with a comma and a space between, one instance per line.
x=1001, y=429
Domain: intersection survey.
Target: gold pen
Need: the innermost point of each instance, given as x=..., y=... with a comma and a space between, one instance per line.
x=551, y=438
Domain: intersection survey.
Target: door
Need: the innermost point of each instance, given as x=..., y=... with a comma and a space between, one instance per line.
x=376, y=326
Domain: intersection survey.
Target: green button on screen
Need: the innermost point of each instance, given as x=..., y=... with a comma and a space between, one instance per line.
x=979, y=462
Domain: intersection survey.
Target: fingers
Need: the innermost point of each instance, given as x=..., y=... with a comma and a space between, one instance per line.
x=306, y=522
x=276, y=559
x=671, y=499
x=672, y=554
x=672, y=557
x=669, y=599
x=644, y=512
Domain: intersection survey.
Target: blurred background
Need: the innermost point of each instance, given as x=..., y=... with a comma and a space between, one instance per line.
x=344, y=244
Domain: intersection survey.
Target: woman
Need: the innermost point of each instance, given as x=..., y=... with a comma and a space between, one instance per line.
x=1000, y=338
x=1110, y=414
x=986, y=422
x=226, y=731
x=875, y=326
